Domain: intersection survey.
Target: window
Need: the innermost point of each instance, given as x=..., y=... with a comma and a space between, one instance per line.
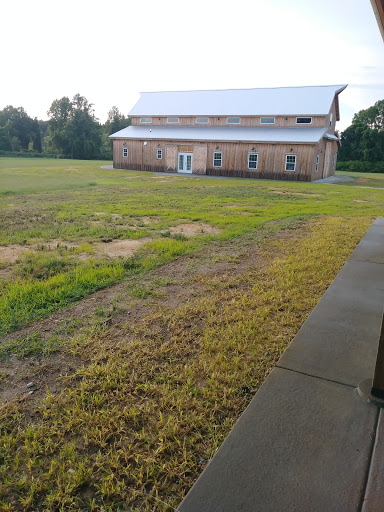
x=159, y=154
x=172, y=119
x=303, y=120
x=267, y=120
x=317, y=163
x=233, y=120
x=125, y=152
x=202, y=120
x=145, y=119
x=330, y=120
x=217, y=159
x=252, y=160
x=290, y=162
x=334, y=161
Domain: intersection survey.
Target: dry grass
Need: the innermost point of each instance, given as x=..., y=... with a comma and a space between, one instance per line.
x=134, y=426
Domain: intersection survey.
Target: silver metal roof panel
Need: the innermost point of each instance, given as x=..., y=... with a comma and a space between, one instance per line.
x=310, y=100
x=222, y=133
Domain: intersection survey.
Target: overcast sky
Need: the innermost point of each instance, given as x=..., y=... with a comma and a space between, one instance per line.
x=110, y=51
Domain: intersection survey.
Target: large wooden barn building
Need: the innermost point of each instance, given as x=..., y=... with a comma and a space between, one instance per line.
x=279, y=133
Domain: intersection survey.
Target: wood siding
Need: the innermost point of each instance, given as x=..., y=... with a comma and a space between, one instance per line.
x=317, y=121
x=331, y=129
x=271, y=158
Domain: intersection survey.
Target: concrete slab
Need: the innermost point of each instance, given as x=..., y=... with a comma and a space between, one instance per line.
x=303, y=444
x=371, y=247
x=374, y=495
x=339, y=339
x=337, y=178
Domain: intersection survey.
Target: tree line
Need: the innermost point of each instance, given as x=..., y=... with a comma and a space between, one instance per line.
x=363, y=140
x=71, y=131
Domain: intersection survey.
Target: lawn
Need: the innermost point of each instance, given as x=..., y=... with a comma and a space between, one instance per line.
x=144, y=311
x=364, y=179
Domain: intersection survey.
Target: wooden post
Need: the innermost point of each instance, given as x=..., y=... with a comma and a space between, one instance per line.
x=378, y=379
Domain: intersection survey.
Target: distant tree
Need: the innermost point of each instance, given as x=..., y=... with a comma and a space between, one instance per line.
x=116, y=121
x=19, y=130
x=5, y=139
x=363, y=140
x=373, y=117
x=73, y=128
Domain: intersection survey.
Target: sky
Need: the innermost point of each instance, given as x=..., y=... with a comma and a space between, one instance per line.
x=111, y=51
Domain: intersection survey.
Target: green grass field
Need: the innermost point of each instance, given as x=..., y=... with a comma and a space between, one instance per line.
x=198, y=286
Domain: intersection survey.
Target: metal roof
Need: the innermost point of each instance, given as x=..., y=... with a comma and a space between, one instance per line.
x=311, y=100
x=330, y=136
x=222, y=133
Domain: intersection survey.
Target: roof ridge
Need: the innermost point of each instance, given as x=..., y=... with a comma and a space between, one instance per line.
x=248, y=88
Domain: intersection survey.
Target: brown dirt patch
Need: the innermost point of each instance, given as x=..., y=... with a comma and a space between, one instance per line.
x=362, y=180
x=197, y=228
x=360, y=201
x=123, y=248
x=286, y=192
x=149, y=220
x=12, y=252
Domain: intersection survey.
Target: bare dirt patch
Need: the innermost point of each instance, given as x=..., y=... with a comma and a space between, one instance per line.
x=287, y=192
x=197, y=228
x=11, y=253
x=362, y=180
x=149, y=220
x=123, y=248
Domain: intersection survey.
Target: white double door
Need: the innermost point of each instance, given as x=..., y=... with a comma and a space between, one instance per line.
x=184, y=162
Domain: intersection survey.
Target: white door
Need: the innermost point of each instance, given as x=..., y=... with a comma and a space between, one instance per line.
x=185, y=162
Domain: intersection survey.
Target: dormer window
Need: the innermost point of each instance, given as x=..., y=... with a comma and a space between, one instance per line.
x=303, y=120
x=146, y=120
x=233, y=120
x=172, y=120
x=202, y=120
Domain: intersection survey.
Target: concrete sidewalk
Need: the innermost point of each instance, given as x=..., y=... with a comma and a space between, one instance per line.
x=307, y=442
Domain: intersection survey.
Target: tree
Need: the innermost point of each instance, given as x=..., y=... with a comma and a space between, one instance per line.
x=116, y=121
x=364, y=139
x=19, y=130
x=373, y=117
x=5, y=139
x=73, y=128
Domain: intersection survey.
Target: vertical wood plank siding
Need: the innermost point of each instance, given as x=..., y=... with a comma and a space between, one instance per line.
x=271, y=158
x=317, y=121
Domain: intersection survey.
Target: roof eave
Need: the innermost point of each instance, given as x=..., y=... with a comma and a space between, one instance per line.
x=378, y=9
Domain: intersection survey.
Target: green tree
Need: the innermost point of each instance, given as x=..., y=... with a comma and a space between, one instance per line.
x=373, y=117
x=363, y=140
x=20, y=130
x=116, y=121
x=5, y=139
x=73, y=128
